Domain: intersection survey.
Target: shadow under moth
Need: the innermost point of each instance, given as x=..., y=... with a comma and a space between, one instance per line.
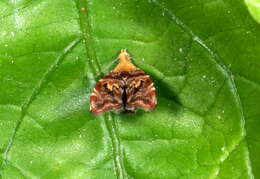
x=124, y=89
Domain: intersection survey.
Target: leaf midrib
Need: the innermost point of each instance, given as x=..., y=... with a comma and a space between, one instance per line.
x=110, y=123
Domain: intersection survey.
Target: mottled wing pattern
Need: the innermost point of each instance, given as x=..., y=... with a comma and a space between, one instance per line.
x=140, y=91
x=126, y=88
x=107, y=94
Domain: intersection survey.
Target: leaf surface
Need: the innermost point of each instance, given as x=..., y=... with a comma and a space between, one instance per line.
x=204, y=59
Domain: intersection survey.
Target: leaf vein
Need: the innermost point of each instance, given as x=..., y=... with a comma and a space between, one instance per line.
x=85, y=25
x=34, y=94
x=214, y=56
x=86, y=29
x=247, y=79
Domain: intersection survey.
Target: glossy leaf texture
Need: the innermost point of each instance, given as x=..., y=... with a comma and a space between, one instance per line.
x=254, y=8
x=203, y=56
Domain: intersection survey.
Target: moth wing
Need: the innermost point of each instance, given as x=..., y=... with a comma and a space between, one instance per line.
x=106, y=96
x=141, y=94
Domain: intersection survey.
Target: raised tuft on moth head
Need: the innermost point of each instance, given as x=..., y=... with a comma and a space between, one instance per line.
x=125, y=63
x=123, y=54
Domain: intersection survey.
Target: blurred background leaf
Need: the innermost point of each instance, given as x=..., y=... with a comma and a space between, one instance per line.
x=254, y=8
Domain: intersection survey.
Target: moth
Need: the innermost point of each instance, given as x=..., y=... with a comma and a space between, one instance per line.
x=124, y=89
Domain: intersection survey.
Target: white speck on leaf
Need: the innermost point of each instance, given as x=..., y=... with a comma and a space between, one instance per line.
x=180, y=50
x=82, y=9
x=217, y=172
x=6, y=45
x=77, y=146
x=4, y=33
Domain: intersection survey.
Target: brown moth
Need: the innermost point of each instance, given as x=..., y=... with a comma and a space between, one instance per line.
x=124, y=89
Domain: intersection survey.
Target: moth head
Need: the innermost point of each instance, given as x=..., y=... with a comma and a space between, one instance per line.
x=125, y=63
x=123, y=55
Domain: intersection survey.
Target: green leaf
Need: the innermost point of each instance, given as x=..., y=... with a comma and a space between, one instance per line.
x=204, y=59
x=254, y=8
